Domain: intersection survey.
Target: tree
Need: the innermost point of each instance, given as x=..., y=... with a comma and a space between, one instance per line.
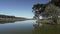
x=51, y=9
x=38, y=9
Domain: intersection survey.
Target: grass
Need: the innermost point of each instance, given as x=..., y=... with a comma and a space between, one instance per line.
x=47, y=21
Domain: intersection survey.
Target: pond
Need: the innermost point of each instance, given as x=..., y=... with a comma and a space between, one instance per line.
x=28, y=27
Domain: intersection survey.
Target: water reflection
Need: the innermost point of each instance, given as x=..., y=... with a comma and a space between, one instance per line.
x=38, y=24
x=19, y=27
x=28, y=27
x=46, y=29
x=37, y=27
x=3, y=22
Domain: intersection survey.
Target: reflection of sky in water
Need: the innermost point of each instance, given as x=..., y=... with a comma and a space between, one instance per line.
x=17, y=26
x=27, y=27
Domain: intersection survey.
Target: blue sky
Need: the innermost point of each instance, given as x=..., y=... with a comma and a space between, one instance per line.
x=19, y=8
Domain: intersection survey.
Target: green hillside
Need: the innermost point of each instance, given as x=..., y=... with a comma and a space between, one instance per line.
x=11, y=18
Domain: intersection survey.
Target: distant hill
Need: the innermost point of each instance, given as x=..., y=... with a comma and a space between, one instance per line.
x=6, y=16
x=11, y=18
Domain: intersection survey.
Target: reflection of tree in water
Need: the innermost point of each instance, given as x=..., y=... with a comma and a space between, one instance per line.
x=37, y=27
x=36, y=30
x=46, y=29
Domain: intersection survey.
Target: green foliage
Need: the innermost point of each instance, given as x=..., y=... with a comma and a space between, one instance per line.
x=6, y=16
x=45, y=10
x=38, y=9
x=55, y=2
x=37, y=6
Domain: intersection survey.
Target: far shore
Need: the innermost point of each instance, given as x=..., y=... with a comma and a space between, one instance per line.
x=11, y=19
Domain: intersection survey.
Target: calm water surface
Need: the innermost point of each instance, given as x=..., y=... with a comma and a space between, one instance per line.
x=28, y=27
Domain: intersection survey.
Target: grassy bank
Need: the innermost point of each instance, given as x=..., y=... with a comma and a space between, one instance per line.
x=47, y=21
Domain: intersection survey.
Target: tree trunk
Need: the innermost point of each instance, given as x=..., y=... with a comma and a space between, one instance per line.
x=55, y=21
